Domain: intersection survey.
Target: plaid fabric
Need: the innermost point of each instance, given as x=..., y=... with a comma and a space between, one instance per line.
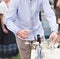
x=8, y=50
x=8, y=46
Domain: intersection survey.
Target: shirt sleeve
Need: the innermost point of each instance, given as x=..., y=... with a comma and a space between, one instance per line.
x=12, y=16
x=1, y=9
x=50, y=15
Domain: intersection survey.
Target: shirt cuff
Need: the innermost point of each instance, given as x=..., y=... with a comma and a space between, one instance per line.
x=16, y=30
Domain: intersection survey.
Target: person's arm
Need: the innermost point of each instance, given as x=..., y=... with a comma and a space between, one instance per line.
x=50, y=15
x=2, y=23
x=12, y=16
x=3, y=27
x=58, y=3
x=2, y=9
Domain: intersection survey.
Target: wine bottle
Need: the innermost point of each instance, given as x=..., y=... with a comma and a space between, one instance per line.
x=38, y=39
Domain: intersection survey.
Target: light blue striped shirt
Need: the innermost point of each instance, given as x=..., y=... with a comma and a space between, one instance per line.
x=24, y=14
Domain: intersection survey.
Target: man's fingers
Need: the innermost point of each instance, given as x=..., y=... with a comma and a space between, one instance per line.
x=26, y=32
x=23, y=36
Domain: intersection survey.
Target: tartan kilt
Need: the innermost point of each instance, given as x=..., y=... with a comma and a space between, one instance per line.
x=8, y=46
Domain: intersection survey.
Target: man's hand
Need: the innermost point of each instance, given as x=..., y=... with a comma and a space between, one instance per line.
x=23, y=33
x=53, y=36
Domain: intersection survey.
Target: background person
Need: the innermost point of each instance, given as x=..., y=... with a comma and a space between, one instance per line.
x=8, y=47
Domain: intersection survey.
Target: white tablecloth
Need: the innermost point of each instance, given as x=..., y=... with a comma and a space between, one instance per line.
x=51, y=54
